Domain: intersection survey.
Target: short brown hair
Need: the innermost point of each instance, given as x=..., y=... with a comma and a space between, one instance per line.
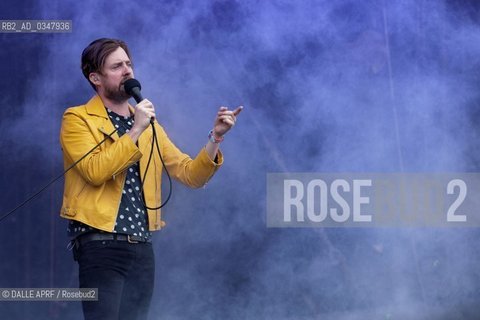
x=94, y=56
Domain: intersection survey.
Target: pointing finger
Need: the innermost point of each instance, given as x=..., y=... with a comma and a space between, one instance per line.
x=238, y=110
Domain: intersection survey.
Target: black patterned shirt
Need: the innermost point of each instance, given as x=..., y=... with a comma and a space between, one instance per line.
x=131, y=218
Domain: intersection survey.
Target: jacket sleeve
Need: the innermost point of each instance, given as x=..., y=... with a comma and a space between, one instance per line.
x=78, y=136
x=194, y=173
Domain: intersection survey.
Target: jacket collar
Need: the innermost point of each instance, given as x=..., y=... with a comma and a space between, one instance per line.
x=96, y=107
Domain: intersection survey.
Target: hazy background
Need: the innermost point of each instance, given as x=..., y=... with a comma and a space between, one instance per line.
x=328, y=86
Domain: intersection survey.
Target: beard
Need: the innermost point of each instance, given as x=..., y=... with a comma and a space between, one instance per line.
x=116, y=94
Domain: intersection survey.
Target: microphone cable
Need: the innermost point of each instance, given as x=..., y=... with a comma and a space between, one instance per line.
x=56, y=178
x=132, y=87
x=154, y=143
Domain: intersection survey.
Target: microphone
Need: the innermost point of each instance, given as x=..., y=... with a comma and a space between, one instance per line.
x=132, y=88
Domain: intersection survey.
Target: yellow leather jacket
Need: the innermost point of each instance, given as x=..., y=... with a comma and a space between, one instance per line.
x=93, y=188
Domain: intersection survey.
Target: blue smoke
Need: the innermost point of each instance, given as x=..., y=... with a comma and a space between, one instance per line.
x=328, y=86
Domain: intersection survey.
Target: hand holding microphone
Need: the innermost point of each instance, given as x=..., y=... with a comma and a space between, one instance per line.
x=144, y=113
x=144, y=110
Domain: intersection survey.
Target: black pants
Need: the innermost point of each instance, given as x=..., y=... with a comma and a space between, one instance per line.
x=124, y=275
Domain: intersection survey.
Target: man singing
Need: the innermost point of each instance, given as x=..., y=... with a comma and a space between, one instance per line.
x=109, y=199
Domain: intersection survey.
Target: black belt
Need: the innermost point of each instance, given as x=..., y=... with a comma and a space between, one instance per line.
x=94, y=236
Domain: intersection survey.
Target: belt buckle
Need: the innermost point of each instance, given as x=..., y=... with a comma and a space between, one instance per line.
x=130, y=239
